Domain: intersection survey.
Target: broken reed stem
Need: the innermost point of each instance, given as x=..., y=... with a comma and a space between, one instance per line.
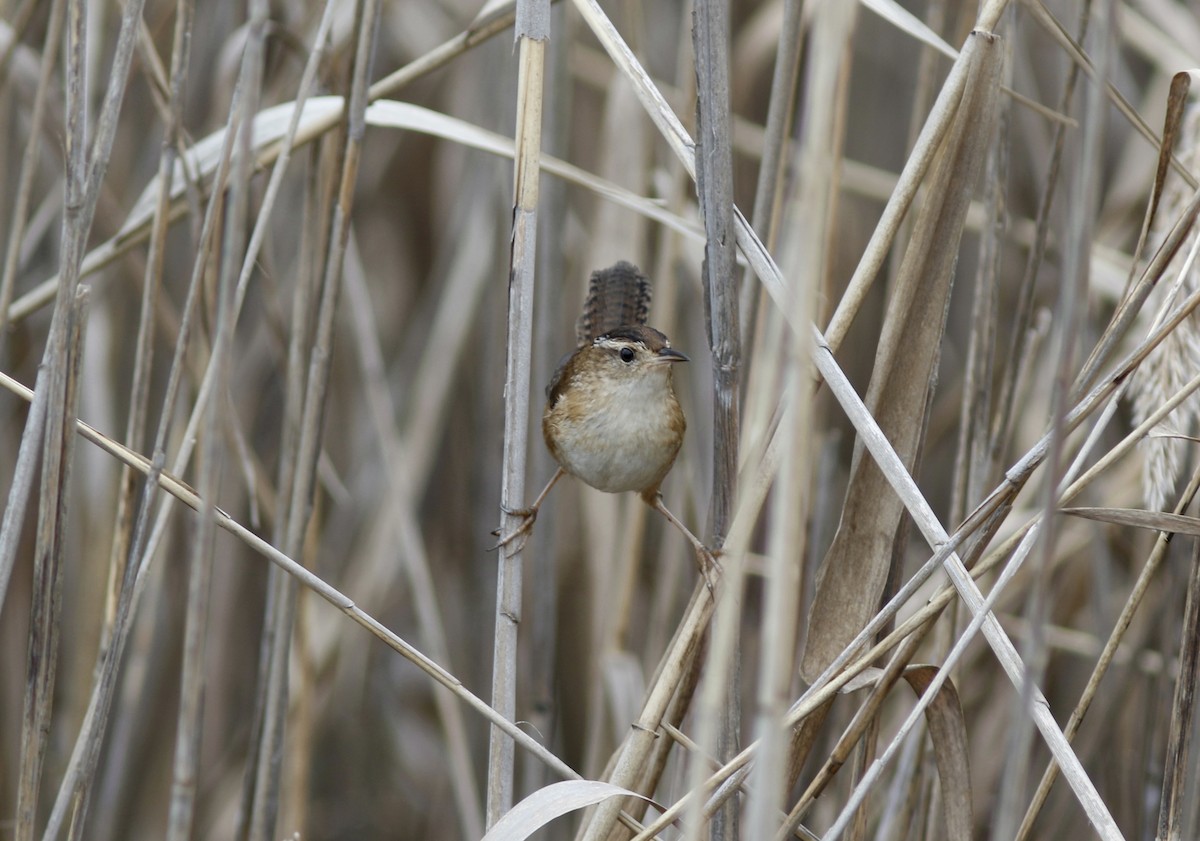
x=863, y=717
x=1106, y=829
x=532, y=34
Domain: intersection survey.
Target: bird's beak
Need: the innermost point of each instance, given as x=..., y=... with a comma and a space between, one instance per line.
x=669, y=354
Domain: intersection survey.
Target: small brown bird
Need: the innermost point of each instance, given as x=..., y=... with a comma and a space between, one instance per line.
x=611, y=416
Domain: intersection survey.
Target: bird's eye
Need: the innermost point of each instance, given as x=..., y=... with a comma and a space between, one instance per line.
x=626, y=354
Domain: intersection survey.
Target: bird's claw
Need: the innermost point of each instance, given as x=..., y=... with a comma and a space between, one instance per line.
x=710, y=567
x=528, y=517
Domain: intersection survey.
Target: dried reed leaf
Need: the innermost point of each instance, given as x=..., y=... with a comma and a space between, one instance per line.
x=1174, y=133
x=948, y=734
x=906, y=21
x=271, y=125
x=551, y=802
x=1154, y=520
x=855, y=570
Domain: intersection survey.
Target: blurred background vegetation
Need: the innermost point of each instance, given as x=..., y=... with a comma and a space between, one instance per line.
x=407, y=477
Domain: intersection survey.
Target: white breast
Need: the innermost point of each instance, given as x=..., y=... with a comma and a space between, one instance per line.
x=630, y=445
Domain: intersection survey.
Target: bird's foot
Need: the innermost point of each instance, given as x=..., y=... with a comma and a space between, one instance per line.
x=528, y=517
x=709, y=566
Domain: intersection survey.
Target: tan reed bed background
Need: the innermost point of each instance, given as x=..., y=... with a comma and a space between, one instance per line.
x=249, y=593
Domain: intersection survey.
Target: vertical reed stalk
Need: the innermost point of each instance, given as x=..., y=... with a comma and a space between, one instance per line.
x=532, y=33
x=46, y=610
x=714, y=186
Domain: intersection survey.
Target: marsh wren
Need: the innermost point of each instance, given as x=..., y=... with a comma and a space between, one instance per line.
x=611, y=415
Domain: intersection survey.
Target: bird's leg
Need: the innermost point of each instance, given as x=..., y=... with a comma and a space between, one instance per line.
x=527, y=515
x=709, y=568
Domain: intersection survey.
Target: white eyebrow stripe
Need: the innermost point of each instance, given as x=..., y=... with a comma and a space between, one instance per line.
x=617, y=344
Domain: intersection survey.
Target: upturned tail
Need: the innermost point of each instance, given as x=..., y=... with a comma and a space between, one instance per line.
x=618, y=296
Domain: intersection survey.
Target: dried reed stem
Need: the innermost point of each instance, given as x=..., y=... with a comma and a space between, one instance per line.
x=85, y=173
x=46, y=610
x=532, y=34
x=178, y=489
x=394, y=512
x=33, y=150
x=308, y=442
x=1175, y=788
x=832, y=28
x=135, y=429
x=1082, y=211
x=23, y=473
x=719, y=713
